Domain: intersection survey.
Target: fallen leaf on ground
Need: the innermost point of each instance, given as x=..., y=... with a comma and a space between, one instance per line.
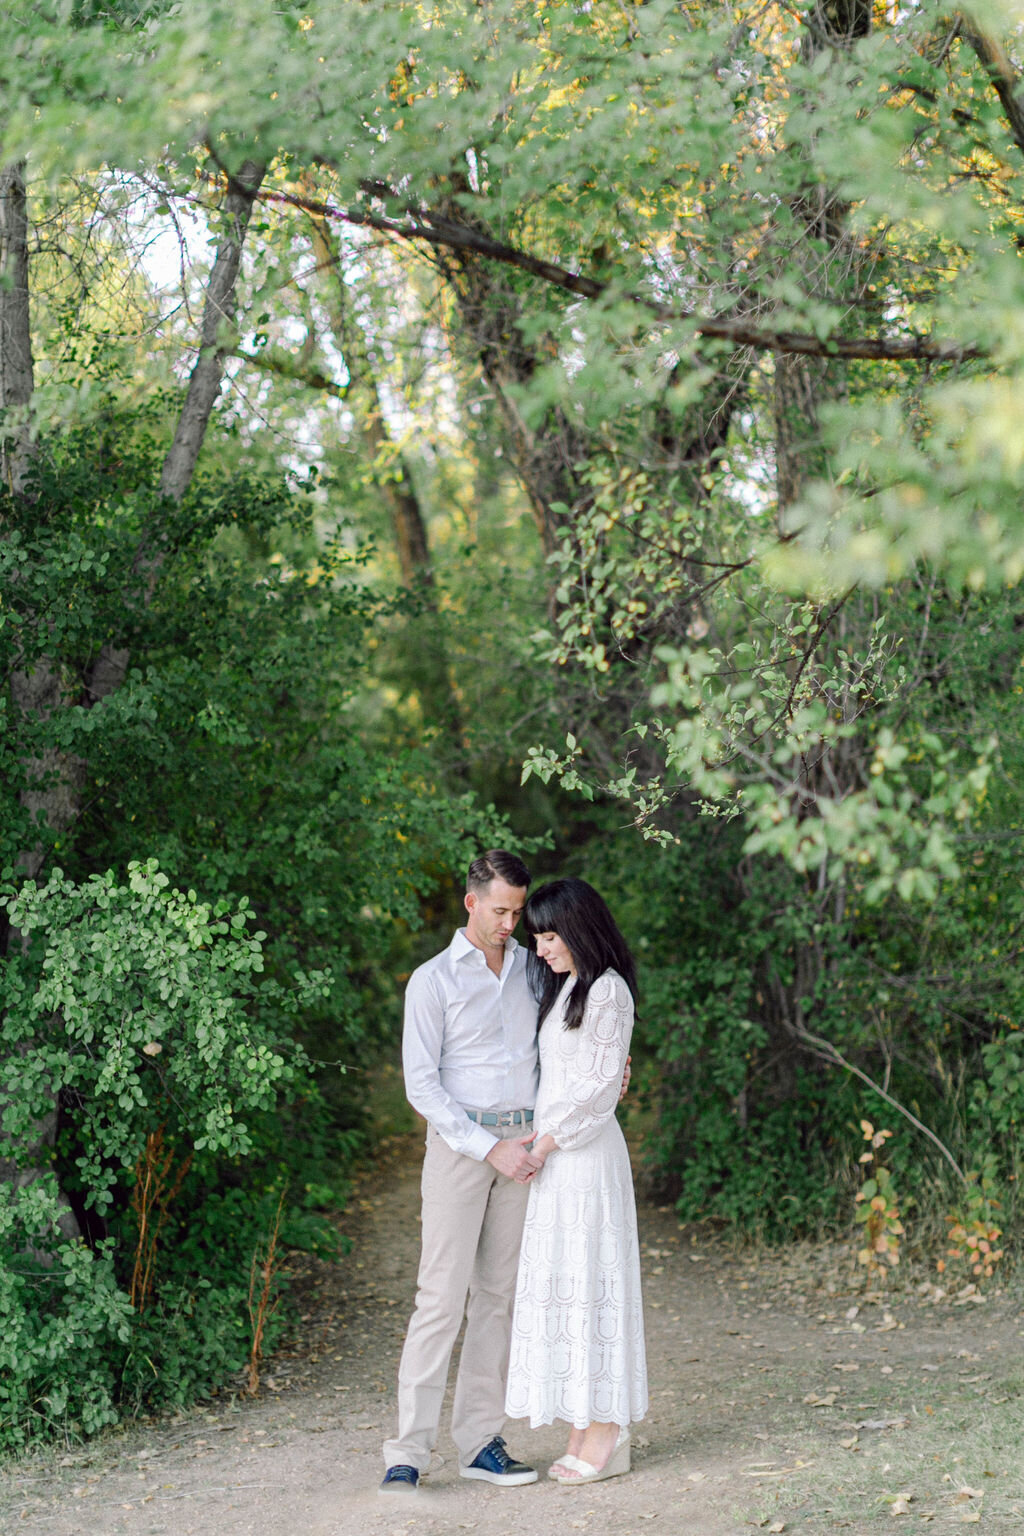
x=900, y=1507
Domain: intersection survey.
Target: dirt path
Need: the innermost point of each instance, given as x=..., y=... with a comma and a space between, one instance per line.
x=782, y=1400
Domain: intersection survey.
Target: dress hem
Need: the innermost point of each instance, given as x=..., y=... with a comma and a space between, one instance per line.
x=557, y=1418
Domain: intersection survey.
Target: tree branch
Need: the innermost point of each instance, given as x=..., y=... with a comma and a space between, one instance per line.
x=286, y=367
x=1006, y=82
x=422, y=224
x=826, y=1049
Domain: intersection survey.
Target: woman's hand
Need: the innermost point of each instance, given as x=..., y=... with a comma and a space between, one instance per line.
x=536, y=1158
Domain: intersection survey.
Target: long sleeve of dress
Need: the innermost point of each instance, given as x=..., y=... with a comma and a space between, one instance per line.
x=590, y=1092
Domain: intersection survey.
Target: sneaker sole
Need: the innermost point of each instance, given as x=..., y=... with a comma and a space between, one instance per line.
x=501, y=1479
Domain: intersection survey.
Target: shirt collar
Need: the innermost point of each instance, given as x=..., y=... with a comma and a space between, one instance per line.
x=460, y=947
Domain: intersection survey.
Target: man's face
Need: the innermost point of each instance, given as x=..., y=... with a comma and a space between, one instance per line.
x=493, y=913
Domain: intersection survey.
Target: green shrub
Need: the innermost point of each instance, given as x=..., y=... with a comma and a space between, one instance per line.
x=64, y=1322
x=142, y=1011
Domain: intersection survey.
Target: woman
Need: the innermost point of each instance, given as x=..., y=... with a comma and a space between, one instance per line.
x=577, y=1331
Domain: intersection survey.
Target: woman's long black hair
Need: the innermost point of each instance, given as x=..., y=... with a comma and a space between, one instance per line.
x=574, y=911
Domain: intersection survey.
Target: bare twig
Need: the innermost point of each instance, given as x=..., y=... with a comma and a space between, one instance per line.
x=262, y=1301
x=828, y=1051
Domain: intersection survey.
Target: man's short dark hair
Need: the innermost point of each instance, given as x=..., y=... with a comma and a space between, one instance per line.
x=497, y=864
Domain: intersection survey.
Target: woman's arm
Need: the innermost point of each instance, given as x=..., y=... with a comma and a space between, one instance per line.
x=589, y=1101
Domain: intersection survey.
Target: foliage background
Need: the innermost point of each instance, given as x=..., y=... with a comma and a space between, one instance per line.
x=589, y=428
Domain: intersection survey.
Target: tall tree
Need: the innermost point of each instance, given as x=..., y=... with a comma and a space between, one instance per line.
x=46, y=683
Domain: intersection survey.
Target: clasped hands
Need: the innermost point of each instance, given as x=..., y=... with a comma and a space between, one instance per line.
x=522, y=1157
x=518, y=1158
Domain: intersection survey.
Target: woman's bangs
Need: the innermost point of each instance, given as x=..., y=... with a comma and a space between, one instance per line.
x=538, y=916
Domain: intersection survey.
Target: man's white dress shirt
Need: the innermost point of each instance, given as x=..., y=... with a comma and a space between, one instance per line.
x=470, y=1041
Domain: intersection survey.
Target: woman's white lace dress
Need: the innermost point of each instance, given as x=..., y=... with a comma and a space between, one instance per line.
x=578, y=1327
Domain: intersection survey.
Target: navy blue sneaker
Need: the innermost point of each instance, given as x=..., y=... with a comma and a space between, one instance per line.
x=400, y=1480
x=495, y=1465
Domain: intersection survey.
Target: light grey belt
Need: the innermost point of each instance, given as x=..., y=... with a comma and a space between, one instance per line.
x=501, y=1117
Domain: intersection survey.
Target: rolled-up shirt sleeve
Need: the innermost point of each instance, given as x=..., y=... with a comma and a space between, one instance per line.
x=422, y=1044
x=590, y=1100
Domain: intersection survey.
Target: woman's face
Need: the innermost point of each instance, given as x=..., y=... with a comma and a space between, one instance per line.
x=557, y=954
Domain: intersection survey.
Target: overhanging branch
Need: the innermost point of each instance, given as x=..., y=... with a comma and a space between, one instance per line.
x=423, y=225
x=829, y=1053
x=1006, y=81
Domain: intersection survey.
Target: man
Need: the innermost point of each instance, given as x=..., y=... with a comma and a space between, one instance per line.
x=470, y=1056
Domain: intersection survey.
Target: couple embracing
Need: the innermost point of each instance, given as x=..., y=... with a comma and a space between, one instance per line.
x=516, y=1058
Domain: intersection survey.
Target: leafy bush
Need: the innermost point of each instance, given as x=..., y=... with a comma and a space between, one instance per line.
x=766, y=1014
x=144, y=1013
x=64, y=1322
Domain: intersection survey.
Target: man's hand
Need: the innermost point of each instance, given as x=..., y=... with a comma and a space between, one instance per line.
x=512, y=1159
x=627, y=1074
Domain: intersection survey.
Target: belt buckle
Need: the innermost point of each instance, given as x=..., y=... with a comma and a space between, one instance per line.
x=506, y=1117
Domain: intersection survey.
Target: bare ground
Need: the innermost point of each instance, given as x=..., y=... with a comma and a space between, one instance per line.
x=784, y=1398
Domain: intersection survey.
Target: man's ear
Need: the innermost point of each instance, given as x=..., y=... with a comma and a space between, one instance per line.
x=469, y=900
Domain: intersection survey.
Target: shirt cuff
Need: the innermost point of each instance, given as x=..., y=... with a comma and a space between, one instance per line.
x=476, y=1145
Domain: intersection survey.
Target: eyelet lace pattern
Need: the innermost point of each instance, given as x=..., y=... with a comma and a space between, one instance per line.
x=578, y=1330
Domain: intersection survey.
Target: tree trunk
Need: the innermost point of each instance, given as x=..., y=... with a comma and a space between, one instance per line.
x=36, y=691
x=15, y=331
x=37, y=688
x=216, y=344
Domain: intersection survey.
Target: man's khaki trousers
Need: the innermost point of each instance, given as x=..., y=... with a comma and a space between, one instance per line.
x=472, y=1229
